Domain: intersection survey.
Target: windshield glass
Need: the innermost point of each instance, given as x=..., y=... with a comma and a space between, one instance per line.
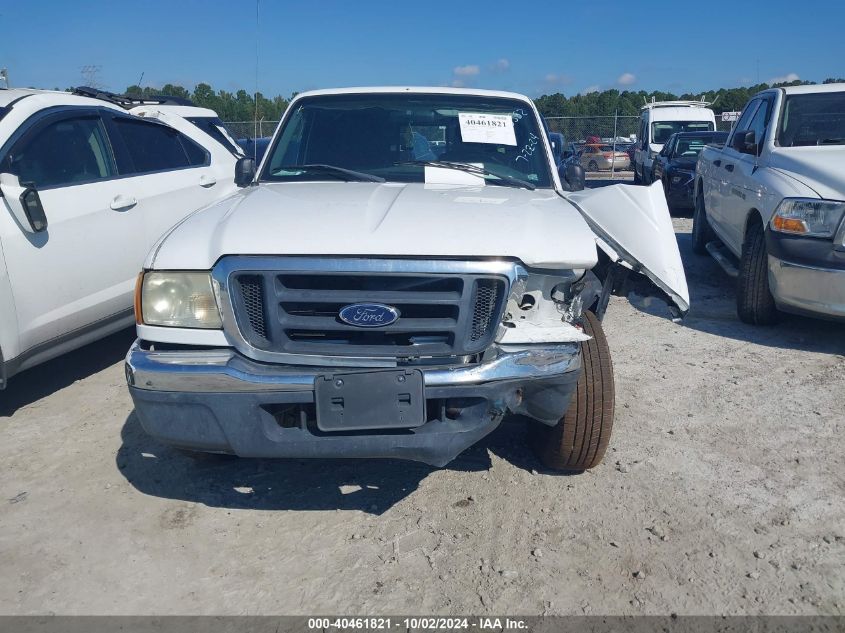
x=691, y=146
x=381, y=134
x=813, y=119
x=662, y=130
x=216, y=129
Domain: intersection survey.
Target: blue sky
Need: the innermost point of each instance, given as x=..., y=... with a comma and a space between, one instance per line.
x=531, y=47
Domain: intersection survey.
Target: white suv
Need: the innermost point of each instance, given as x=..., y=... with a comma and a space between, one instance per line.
x=87, y=188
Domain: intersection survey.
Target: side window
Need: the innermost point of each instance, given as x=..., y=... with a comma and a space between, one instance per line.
x=156, y=147
x=744, y=120
x=66, y=152
x=761, y=120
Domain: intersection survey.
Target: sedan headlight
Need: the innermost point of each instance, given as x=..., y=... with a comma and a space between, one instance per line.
x=808, y=216
x=178, y=299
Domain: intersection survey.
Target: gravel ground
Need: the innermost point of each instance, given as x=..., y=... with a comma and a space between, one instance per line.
x=722, y=492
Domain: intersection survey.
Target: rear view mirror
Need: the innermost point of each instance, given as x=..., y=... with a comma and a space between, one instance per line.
x=24, y=203
x=244, y=171
x=572, y=177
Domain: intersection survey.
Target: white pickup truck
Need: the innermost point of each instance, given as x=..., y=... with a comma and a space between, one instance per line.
x=366, y=297
x=769, y=204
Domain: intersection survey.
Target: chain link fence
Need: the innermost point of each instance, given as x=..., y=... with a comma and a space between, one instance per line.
x=251, y=129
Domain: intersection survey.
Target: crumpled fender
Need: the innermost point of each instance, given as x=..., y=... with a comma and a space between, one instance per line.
x=632, y=224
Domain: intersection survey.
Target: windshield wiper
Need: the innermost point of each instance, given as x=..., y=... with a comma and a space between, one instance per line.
x=471, y=169
x=332, y=170
x=831, y=141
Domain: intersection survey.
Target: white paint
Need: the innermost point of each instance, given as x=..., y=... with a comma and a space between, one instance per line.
x=82, y=269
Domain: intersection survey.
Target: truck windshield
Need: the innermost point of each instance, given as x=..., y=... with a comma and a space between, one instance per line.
x=813, y=119
x=396, y=136
x=662, y=130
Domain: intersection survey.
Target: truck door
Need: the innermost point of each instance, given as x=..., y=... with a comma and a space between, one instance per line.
x=721, y=192
x=742, y=190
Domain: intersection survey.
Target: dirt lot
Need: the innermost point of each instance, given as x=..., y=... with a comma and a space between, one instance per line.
x=722, y=493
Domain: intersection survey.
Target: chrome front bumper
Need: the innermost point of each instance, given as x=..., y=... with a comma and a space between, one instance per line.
x=223, y=370
x=806, y=289
x=220, y=401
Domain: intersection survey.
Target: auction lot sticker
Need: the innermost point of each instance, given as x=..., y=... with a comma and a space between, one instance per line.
x=487, y=128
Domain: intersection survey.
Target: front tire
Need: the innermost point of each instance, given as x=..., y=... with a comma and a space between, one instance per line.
x=579, y=440
x=593, y=166
x=754, y=302
x=702, y=232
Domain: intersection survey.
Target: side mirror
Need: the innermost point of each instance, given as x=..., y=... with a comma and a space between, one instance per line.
x=745, y=141
x=24, y=203
x=244, y=171
x=572, y=177
x=750, y=143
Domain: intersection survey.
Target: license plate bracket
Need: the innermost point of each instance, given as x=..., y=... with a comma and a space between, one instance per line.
x=360, y=401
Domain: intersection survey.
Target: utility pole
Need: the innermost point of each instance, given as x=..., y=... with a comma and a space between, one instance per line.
x=90, y=75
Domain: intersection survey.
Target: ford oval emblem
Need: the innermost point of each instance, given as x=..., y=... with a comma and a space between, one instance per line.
x=368, y=314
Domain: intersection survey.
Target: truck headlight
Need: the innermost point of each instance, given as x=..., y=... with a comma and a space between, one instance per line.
x=178, y=299
x=808, y=216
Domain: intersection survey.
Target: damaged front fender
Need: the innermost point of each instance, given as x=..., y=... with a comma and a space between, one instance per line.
x=633, y=227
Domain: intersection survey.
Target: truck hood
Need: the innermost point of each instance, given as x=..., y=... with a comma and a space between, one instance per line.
x=819, y=168
x=539, y=228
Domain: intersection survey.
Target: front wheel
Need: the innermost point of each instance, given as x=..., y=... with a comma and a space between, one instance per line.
x=754, y=301
x=593, y=166
x=579, y=440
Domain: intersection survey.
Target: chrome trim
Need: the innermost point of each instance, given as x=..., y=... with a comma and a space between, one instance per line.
x=222, y=370
x=225, y=267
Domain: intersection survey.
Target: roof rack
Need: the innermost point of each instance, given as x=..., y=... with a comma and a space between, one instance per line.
x=130, y=101
x=676, y=104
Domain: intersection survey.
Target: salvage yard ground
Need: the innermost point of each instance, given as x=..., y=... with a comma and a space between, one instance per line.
x=722, y=492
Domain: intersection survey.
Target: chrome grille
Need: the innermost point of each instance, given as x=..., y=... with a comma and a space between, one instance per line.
x=296, y=311
x=484, y=307
x=251, y=290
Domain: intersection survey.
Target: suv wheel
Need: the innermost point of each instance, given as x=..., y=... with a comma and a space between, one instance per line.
x=579, y=440
x=593, y=166
x=702, y=233
x=754, y=301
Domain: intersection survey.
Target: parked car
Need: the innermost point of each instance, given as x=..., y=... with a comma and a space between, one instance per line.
x=603, y=158
x=769, y=204
x=254, y=147
x=674, y=166
x=557, y=142
x=87, y=188
x=358, y=301
x=658, y=121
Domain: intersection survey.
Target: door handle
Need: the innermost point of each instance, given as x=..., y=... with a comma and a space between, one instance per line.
x=122, y=203
x=729, y=167
x=207, y=181
x=718, y=163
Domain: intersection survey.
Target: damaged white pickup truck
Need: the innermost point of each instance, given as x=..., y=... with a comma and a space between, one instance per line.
x=405, y=268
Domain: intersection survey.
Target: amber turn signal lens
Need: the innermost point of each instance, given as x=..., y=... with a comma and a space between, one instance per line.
x=789, y=225
x=138, y=283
